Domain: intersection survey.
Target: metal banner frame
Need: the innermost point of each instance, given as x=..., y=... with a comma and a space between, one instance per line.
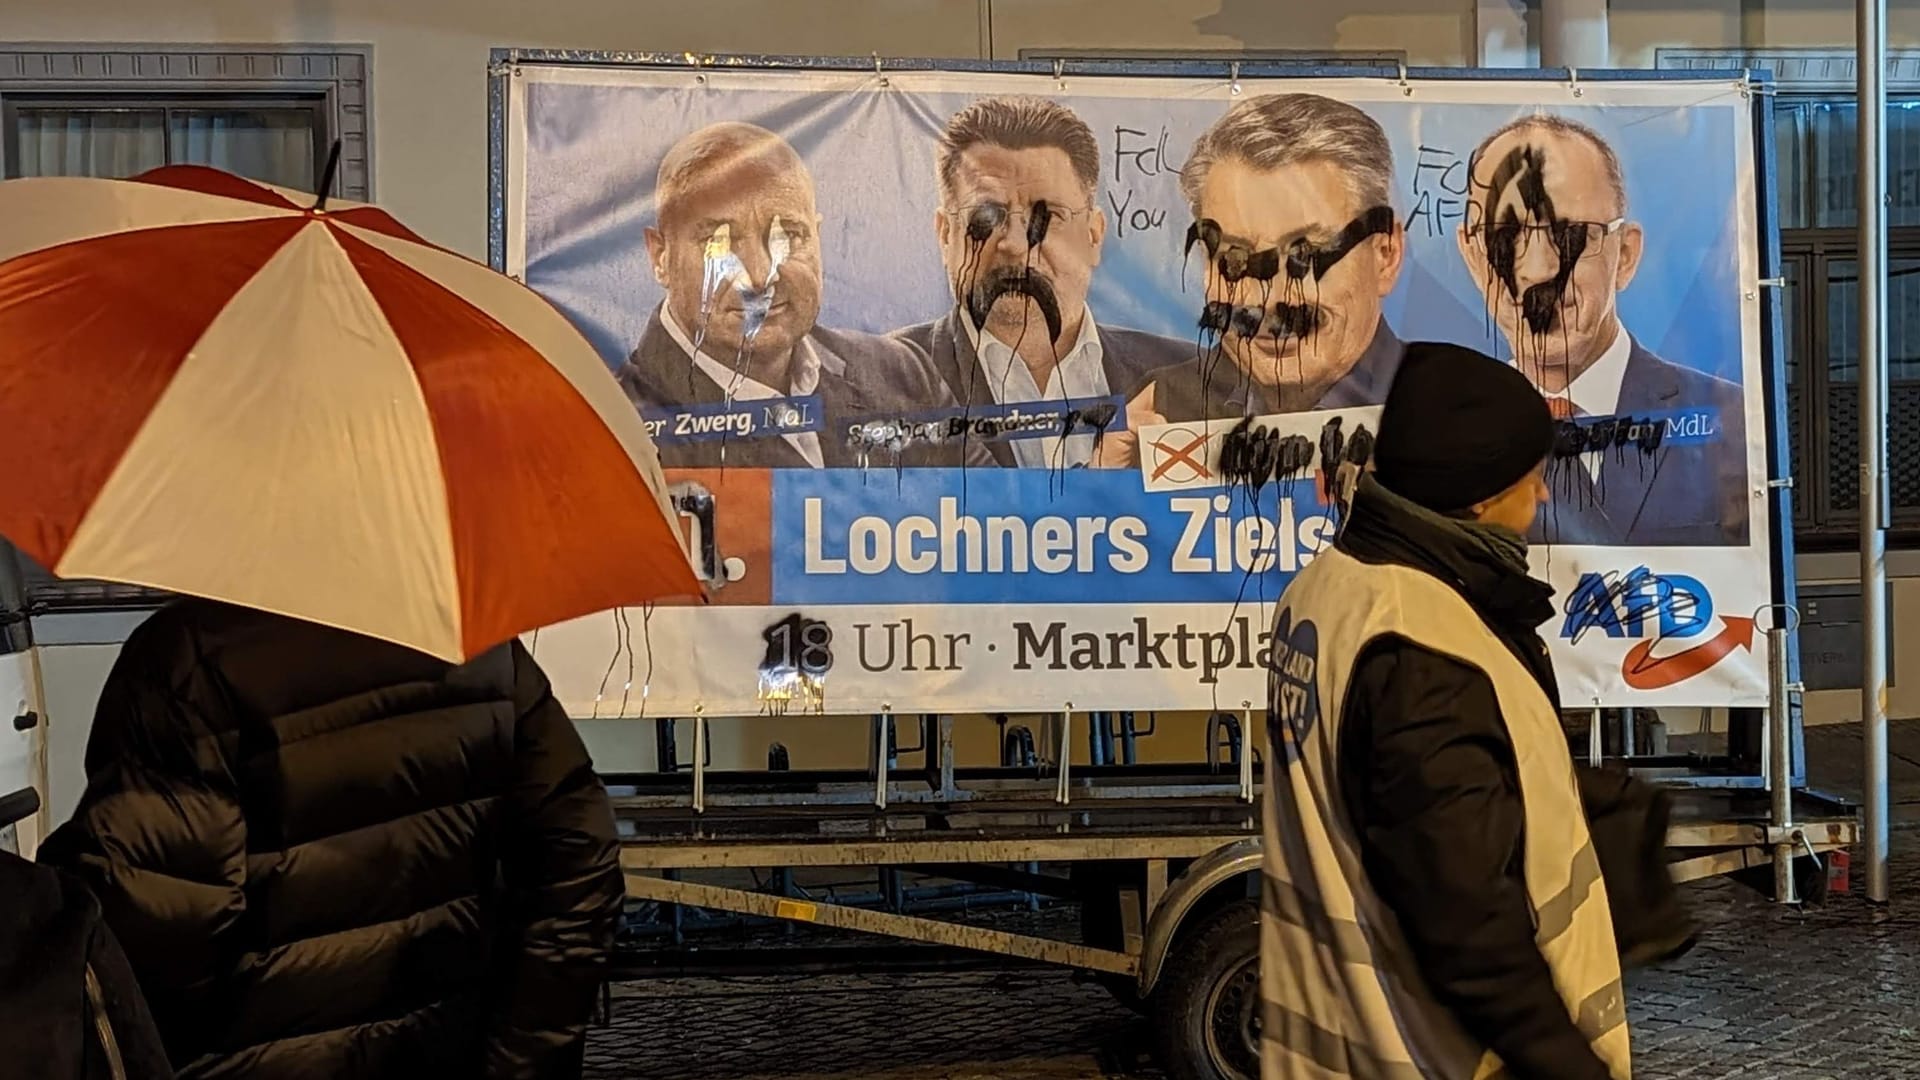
x=505, y=62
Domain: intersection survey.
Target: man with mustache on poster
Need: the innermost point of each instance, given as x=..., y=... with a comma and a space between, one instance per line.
x=734, y=349
x=1292, y=202
x=1548, y=240
x=1020, y=236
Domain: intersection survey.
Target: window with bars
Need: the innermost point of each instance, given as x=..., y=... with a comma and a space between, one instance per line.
x=276, y=139
x=1818, y=173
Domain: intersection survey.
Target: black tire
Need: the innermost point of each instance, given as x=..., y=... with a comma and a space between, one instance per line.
x=1206, y=1008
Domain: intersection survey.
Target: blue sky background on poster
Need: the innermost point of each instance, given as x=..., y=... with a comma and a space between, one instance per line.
x=593, y=152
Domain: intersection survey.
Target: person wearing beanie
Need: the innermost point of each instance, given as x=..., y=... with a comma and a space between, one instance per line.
x=1432, y=901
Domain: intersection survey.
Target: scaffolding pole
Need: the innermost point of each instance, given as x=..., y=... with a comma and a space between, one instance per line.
x=1870, y=67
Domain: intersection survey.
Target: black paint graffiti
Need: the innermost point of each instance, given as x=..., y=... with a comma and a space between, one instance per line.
x=1568, y=474
x=799, y=655
x=978, y=293
x=1240, y=450
x=1302, y=258
x=798, y=644
x=1023, y=281
x=1605, y=600
x=1516, y=214
x=986, y=218
x=1359, y=447
x=1136, y=153
x=695, y=501
x=1333, y=441
x=1572, y=438
x=1252, y=454
x=898, y=434
x=1095, y=418
x=1440, y=183
x=1294, y=268
x=1521, y=176
x=623, y=647
x=1281, y=319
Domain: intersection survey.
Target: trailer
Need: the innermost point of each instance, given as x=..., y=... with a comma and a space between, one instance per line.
x=1162, y=861
x=1153, y=867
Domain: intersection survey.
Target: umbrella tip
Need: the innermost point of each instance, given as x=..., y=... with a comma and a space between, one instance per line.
x=325, y=187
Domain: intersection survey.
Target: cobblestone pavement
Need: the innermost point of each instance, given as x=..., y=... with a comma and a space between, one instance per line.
x=1830, y=993
x=1769, y=994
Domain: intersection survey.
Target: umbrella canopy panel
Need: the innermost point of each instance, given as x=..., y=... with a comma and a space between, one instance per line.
x=228, y=394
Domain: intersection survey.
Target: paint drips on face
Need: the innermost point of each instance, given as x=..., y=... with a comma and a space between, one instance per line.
x=1301, y=259
x=755, y=303
x=1026, y=281
x=724, y=271
x=1281, y=319
x=1293, y=271
x=1521, y=213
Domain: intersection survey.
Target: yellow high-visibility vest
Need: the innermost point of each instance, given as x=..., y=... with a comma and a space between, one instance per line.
x=1340, y=994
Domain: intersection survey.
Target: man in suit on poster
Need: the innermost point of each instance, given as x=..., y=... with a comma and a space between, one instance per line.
x=1548, y=241
x=1292, y=196
x=1020, y=329
x=733, y=367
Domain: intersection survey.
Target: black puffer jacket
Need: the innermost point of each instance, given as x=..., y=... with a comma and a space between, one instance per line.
x=69, y=1006
x=331, y=857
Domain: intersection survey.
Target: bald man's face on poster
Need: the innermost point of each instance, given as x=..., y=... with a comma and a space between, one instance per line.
x=737, y=249
x=1547, y=241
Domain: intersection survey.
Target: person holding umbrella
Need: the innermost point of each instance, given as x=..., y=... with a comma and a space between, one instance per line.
x=334, y=812
x=1433, y=904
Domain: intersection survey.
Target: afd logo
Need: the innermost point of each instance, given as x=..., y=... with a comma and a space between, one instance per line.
x=1656, y=611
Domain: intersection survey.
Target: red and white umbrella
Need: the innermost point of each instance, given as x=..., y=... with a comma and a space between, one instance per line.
x=213, y=387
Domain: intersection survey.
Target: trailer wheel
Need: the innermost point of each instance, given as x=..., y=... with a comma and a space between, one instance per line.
x=1206, y=1010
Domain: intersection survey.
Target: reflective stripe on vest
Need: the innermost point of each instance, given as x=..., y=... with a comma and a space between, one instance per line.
x=1340, y=995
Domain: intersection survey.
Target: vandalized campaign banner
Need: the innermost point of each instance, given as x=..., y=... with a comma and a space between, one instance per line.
x=1015, y=392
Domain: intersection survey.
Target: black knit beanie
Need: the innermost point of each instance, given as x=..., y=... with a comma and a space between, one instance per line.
x=1459, y=427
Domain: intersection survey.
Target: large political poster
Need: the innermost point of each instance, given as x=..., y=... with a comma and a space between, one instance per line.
x=991, y=391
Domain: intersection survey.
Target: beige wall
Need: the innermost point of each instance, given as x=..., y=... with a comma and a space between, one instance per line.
x=1433, y=32
x=1636, y=28
x=430, y=59
x=430, y=56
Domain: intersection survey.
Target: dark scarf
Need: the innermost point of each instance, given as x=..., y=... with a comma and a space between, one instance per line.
x=1477, y=540
x=1485, y=564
